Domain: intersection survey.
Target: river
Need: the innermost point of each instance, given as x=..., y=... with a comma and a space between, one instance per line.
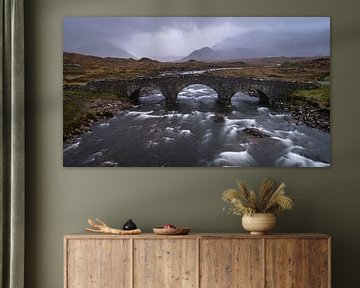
x=199, y=132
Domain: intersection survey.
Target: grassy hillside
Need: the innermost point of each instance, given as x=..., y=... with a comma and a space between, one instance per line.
x=319, y=97
x=298, y=69
x=79, y=69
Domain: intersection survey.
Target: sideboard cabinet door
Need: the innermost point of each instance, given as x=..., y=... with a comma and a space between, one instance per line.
x=320, y=263
x=98, y=263
x=297, y=263
x=231, y=263
x=165, y=263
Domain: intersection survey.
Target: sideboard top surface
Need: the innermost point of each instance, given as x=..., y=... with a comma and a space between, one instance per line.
x=86, y=235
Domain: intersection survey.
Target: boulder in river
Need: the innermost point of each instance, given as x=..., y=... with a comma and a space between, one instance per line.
x=255, y=132
x=218, y=117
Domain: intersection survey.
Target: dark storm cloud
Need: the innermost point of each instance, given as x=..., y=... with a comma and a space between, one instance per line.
x=162, y=36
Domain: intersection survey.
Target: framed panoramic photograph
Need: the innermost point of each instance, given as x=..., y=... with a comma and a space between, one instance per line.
x=196, y=92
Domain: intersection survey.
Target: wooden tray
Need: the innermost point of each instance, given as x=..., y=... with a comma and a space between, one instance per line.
x=171, y=231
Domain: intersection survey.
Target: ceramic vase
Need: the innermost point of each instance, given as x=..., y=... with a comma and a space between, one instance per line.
x=259, y=223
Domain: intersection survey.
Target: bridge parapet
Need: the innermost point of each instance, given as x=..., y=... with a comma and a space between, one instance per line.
x=269, y=91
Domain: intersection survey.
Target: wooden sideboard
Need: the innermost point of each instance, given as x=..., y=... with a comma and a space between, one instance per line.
x=197, y=260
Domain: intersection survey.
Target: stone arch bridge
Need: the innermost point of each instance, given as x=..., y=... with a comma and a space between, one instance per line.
x=268, y=91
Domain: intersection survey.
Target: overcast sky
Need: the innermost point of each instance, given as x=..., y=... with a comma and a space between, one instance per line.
x=164, y=36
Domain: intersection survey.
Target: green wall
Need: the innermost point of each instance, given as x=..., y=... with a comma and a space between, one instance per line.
x=59, y=200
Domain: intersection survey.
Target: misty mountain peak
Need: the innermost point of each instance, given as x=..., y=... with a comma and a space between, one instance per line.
x=203, y=54
x=206, y=48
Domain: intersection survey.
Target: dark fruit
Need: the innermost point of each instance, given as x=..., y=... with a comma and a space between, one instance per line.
x=129, y=225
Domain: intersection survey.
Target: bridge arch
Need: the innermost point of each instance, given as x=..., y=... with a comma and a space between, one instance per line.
x=184, y=87
x=254, y=92
x=173, y=88
x=138, y=91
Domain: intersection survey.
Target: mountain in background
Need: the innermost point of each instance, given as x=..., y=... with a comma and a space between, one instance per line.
x=102, y=49
x=168, y=58
x=208, y=54
x=205, y=54
x=276, y=44
x=243, y=46
x=265, y=44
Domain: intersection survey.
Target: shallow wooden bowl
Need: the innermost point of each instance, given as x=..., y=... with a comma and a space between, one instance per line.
x=171, y=231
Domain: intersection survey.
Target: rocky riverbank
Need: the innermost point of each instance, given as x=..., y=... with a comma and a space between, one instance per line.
x=302, y=112
x=97, y=109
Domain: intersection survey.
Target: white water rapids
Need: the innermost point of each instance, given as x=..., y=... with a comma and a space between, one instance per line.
x=199, y=132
